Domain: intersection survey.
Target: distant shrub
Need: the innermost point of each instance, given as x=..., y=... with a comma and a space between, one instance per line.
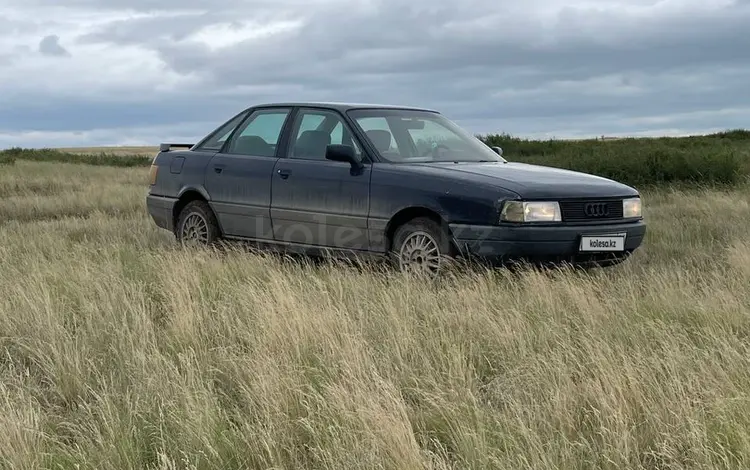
x=733, y=134
x=720, y=158
x=52, y=155
x=7, y=159
x=640, y=162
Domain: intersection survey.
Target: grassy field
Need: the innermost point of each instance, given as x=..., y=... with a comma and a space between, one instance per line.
x=119, y=350
x=122, y=150
x=717, y=159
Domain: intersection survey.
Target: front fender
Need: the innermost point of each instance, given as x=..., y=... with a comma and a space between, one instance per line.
x=457, y=197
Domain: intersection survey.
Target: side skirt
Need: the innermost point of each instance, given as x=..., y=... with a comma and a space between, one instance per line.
x=309, y=250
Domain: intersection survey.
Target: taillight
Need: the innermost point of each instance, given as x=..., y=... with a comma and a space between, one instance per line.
x=152, y=174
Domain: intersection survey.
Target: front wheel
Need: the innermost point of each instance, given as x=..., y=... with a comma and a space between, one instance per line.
x=197, y=225
x=422, y=246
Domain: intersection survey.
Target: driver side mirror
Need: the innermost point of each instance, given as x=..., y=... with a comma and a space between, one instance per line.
x=343, y=153
x=498, y=150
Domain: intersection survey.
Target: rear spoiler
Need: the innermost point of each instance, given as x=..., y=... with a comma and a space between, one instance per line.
x=168, y=147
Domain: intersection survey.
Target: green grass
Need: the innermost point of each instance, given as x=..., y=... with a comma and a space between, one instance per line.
x=7, y=159
x=125, y=150
x=120, y=350
x=99, y=159
x=722, y=158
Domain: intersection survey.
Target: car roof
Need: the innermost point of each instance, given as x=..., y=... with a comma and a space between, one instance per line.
x=343, y=107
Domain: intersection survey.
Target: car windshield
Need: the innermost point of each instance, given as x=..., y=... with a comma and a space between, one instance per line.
x=410, y=136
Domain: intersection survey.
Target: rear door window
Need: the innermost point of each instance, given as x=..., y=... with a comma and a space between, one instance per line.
x=260, y=134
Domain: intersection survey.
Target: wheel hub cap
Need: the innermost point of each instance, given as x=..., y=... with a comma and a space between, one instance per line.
x=195, y=229
x=420, y=253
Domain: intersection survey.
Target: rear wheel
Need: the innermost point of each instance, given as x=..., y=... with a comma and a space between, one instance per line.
x=197, y=225
x=422, y=246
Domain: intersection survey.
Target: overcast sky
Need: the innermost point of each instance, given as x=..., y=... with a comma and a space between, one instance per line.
x=112, y=72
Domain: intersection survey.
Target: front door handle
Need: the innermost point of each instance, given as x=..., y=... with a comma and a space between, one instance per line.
x=218, y=168
x=284, y=173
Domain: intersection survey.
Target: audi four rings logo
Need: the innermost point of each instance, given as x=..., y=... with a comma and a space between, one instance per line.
x=597, y=209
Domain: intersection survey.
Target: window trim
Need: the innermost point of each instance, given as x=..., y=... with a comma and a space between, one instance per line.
x=200, y=146
x=252, y=115
x=357, y=113
x=296, y=121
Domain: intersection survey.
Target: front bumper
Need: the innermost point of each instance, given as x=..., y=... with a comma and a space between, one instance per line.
x=160, y=209
x=544, y=243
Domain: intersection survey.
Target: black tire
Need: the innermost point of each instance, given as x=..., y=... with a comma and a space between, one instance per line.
x=198, y=212
x=412, y=233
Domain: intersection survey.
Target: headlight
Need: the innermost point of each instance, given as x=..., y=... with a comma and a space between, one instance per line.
x=631, y=208
x=530, y=211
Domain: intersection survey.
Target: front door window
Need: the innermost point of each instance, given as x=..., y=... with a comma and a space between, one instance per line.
x=314, y=130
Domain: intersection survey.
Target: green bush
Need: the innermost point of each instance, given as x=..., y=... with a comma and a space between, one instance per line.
x=52, y=155
x=714, y=159
x=717, y=159
x=734, y=134
x=7, y=159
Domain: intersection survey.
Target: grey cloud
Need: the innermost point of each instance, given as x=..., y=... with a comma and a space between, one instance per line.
x=483, y=62
x=8, y=59
x=157, y=6
x=63, y=113
x=402, y=38
x=15, y=27
x=414, y=44
x=50, y=45
x=412, y=60
x=174, y=27
x=554, y=104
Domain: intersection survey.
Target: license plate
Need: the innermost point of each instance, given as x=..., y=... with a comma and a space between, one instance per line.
x=614, y=242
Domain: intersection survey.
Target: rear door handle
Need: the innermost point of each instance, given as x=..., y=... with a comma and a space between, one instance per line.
x=218, y=168
x=284, y=173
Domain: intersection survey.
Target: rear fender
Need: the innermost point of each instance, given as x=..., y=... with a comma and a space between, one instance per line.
x=197, y=188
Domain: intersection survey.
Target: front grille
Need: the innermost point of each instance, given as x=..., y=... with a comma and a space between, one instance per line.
x=591, y=210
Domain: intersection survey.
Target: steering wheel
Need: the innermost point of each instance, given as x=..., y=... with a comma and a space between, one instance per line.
x=433, y=149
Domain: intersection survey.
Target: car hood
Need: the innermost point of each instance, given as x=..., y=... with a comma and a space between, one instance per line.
x=537, y=181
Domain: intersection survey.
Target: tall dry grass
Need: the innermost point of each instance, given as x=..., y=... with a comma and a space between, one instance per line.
x=118, y=350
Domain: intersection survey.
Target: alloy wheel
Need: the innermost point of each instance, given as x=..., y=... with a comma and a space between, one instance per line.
x=195, y=230
x=420, y=253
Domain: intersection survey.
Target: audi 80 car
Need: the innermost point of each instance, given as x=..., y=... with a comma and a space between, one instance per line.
x=400, y=182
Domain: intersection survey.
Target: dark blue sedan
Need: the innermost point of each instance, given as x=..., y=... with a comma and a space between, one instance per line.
x=400, y=182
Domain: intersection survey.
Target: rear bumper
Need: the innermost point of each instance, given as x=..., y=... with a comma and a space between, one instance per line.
x=160, y=209
x=544, y=243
